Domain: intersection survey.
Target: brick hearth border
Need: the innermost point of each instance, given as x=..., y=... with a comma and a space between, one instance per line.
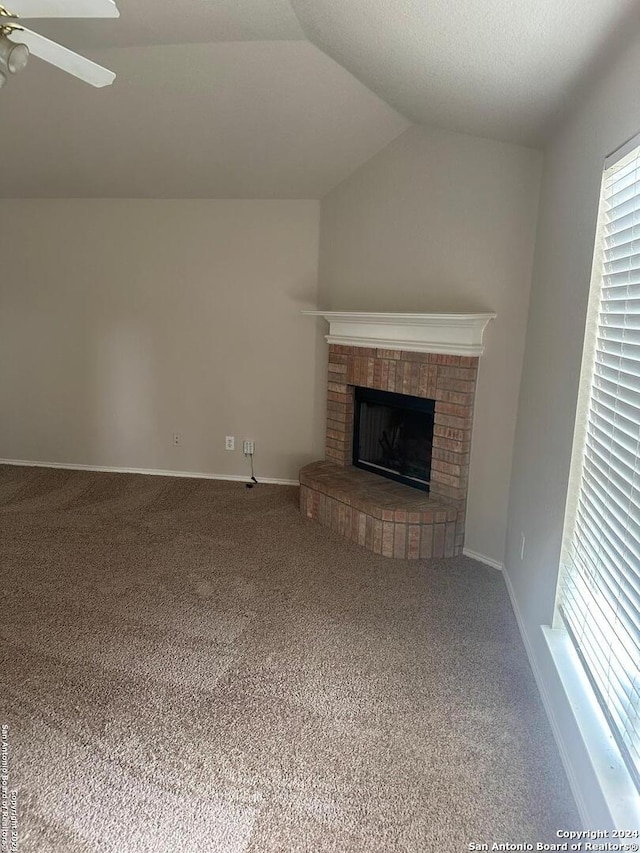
x=449, y=380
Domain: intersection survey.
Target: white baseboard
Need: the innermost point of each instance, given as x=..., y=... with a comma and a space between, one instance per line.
x=473, y=555
x=70, y=466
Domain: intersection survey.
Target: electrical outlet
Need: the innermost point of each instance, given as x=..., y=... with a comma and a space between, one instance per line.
x=248, y=447
x=177, y=439
x=522, y=546
x=229, y=442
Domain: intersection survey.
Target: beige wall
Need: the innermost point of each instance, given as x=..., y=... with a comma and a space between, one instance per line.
x=605, y=116
x=124, y=321
x=564, y=254
x=442, y=221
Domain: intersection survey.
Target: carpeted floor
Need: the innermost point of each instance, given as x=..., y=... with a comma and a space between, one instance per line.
x=189, y=666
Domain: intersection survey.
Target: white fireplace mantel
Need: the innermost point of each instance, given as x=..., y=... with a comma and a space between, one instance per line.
x=451, y=334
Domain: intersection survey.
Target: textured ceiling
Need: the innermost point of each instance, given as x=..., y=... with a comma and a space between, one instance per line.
x=285, y=98
x=166, y=22
x=494, y=68
x=229, y=120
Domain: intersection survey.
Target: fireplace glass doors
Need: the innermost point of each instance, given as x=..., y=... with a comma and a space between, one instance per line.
x=393, y=436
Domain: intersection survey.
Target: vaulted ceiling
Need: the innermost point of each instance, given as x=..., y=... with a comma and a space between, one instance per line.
x=286, y=98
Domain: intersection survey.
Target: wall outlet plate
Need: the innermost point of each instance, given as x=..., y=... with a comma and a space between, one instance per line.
x=248, y=447
x=229, y=442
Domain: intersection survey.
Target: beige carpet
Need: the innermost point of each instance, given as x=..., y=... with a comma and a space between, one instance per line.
x=190, y=666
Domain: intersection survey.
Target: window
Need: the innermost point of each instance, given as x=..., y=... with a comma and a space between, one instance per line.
x=599, y=591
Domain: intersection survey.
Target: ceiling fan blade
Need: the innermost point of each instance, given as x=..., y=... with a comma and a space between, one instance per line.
x=63, y=8
x=62, y=58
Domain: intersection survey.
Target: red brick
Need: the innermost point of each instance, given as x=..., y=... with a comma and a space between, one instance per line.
x=344, y=519
x=405, y=388
x=384, y=376
x=410, y=355
x=377, y=536
x=338, y=435
x=450, y=445
x=438, y=540
x=445, y=467
x=355, y=525
x=413, y=547
x=459, y=397
x=445, y=479
x=322, y=510
x=466, y=373
x=446, y=491
x=362, y=529
x=371, y=362
x=339, y=421
x=449, y=540
x=338, y=397
x=440, y=430
x=335, y=359
x=443, y=359
x=376, y=381
x=391, y=379
x=468, y=361
x=426, y=542
x=387, y=539
x=341, y=407
x=451, y=421
x=447, y=383
x=458, y=411
x=368, y=540
x=400, y=541
x=414, y=383
x=334, y=376
x=336, y=443
x=451, y=456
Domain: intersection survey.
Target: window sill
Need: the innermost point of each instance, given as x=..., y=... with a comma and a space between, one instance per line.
x=617, y=793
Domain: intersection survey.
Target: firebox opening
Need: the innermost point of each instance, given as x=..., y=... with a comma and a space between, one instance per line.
x=393, y=436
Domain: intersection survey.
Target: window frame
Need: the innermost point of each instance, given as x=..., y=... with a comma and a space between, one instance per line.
x=587, y=371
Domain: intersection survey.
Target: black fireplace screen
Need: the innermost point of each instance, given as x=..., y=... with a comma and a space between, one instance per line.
x=393, y=436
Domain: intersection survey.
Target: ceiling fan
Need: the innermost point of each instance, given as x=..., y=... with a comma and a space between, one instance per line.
x=17, y=42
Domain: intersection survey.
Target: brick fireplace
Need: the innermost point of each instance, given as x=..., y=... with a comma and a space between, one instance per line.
x=391, y=518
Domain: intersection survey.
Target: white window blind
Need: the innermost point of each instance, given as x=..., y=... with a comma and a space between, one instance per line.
x=599, y=593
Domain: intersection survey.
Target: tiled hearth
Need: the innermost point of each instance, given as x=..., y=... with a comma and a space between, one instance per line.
x=390, y=518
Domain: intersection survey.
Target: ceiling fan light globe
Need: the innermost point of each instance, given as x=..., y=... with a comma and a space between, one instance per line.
x=17, y=58
x=13, y=55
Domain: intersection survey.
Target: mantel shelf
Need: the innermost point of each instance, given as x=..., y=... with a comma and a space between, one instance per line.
x=450, y=334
